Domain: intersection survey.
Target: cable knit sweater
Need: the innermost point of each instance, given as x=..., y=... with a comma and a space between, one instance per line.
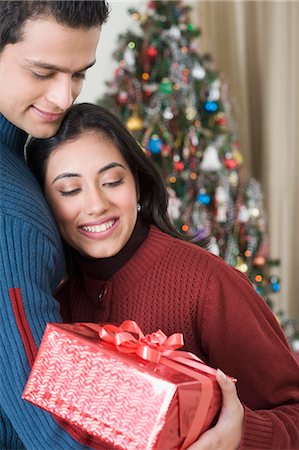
x=178, y=287
x=31, y=265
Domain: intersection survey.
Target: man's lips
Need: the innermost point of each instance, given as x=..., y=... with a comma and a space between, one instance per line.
x=48, y=116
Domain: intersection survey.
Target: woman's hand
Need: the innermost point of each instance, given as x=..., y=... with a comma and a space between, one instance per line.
x=227, y=433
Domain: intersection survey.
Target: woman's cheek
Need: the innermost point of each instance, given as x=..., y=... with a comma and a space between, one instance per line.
x=63, y=212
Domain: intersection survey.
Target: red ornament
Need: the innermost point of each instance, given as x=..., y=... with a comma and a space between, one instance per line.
x=230, y=163
x=221, y=121
x=179, y=166
x=152, y=52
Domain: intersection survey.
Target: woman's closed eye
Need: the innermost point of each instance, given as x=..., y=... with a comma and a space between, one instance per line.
x=113, y=183
x=70, y=193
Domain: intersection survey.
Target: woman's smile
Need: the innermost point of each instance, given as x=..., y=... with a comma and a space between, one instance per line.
x=98, y=231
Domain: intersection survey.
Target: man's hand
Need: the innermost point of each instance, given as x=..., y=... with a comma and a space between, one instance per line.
x=227, y=433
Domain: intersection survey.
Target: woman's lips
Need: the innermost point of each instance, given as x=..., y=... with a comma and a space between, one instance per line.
x=101, y=230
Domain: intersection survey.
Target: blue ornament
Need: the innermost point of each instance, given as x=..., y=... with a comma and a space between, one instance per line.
x=211, y=106
x=155, y=144
x=275, y=286
x=204, y=199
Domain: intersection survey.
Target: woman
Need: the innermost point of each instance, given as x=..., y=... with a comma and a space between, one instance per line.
x=125, y=261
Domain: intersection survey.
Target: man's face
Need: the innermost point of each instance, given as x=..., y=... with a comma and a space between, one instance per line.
x=42, y=75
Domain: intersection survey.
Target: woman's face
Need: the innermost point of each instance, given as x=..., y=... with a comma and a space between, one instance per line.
x=93, y=196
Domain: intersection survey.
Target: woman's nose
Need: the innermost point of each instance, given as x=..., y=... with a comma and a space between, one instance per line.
x=95, y=202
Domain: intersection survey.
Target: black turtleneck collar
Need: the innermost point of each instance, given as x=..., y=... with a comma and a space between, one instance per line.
x=104, y=268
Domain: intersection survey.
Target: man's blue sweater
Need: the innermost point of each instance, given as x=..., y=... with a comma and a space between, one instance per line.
x=31, y=265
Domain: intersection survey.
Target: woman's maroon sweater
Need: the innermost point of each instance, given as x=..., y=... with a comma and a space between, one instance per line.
x=176, y=286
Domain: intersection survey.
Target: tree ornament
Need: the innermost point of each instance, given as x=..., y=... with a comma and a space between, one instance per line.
x=134, y=123
x=150, y=87
x=155, y=144
x=243, y=215
x=214, y=92
x=210, y=161
x=230, y=163
x=221, y=199
x=152, y=51
x=166, y=86
x=190, y=113
x=122, y=97
x=129, y=57
x=179, y=166
x=213, y=247
x=211, y=106
x=174, y=32
x=238, y=157
x=174, y=205
x=220, y=119
x=168, y=114
x=275, y=284
x=203, y=197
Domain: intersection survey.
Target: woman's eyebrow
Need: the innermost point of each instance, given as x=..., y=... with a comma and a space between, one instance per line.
x=66, y=175
x=110, y=166
x=77, y=175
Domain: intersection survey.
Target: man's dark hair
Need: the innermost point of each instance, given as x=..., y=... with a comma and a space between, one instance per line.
x=75, y=14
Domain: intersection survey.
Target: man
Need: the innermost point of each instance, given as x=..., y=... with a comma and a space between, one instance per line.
x=46, y=48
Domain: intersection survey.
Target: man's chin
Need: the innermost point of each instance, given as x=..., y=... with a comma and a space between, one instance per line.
x=44, y=132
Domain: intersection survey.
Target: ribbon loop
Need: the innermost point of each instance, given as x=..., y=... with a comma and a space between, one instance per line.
x=128, y=338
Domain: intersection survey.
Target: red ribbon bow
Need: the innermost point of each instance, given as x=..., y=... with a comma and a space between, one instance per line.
x=150, y=347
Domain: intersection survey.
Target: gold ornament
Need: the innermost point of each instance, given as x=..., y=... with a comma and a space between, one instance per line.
x=134, y=123
x=237, y=155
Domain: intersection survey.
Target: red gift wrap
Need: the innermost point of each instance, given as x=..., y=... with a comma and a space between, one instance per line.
x=132, y=391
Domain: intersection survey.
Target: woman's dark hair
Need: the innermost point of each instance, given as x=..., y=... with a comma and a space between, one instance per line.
x=75, y=14
x=153, y=195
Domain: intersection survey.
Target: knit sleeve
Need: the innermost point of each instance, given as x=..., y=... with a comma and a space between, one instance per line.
x=241, y=336
x=30, y=263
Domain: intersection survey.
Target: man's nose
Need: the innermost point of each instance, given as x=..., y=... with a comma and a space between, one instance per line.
x=61, y=92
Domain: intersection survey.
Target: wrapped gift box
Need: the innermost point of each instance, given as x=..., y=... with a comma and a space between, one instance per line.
x=110, y=391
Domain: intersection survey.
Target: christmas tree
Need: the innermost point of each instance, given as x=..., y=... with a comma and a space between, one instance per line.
x=176, y=105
